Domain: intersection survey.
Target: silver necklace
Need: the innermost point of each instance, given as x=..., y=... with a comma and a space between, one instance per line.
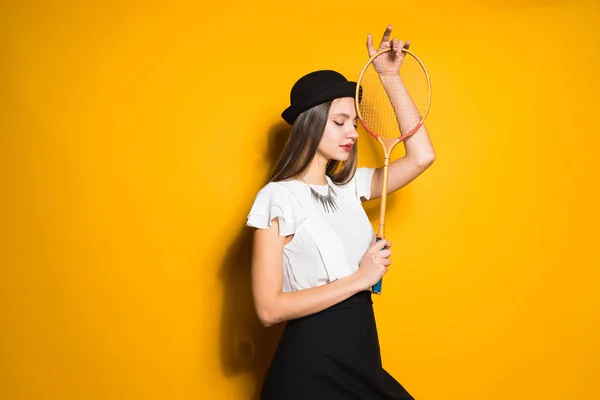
x=327, y=201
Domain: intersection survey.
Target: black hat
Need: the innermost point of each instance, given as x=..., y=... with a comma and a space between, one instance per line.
x=316, y=88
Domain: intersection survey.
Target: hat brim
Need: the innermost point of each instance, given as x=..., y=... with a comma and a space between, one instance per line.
x=343, y=89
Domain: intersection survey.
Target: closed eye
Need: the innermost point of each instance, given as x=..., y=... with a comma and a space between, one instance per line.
x=342, y=124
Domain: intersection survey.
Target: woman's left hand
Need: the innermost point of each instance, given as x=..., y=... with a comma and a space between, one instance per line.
x=389, y=63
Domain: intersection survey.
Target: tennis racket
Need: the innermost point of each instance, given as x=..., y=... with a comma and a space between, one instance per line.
x=391, y=110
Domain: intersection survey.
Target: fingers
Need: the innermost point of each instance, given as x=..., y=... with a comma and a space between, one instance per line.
x=385, y=253
x=385, y=40
x=370, y=47
x=399, y=45
x=395, y=44
x=378, y=245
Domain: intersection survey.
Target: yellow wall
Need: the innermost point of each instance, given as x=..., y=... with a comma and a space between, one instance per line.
x=135, y=136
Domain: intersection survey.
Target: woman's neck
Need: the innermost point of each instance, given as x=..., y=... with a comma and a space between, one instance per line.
x=315, y=173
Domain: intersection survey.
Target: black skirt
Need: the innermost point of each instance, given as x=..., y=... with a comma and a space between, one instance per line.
x=332, y=355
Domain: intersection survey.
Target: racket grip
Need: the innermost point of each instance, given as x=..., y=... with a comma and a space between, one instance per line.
x=376, y=289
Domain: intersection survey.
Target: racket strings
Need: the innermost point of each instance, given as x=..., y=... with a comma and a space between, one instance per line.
x=379, y=114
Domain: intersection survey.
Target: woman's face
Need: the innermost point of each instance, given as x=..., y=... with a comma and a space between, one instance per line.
x=340, y=131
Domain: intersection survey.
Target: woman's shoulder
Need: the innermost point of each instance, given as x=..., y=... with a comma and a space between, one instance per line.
x=277, y=188
x=275, y=199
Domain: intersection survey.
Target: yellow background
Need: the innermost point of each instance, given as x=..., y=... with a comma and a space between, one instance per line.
x=135, y=135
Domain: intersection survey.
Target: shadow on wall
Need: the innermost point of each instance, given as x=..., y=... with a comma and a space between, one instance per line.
x=247, y=347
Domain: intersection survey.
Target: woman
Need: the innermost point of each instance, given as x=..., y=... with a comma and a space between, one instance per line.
x=314, y=254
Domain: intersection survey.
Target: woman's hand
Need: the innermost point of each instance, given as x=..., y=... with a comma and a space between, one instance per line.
x=374, y=263
x=389, y=63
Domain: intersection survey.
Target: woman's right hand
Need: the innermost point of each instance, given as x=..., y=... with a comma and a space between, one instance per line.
x=374, y=263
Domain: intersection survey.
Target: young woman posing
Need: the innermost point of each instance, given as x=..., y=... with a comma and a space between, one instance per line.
x=314, y=254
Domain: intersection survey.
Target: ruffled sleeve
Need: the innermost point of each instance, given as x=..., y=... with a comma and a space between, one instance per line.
x=273, y=201
x=363, y=178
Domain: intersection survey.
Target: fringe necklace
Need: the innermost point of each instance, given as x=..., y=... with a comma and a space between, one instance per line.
x=327, y=201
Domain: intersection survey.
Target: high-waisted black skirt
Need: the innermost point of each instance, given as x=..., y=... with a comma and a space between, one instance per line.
x=332, y=355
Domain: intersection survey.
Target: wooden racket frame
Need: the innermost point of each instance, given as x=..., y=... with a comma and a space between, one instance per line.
x=388, y=144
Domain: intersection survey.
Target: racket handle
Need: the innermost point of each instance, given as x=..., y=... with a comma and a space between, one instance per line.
x=376, y=289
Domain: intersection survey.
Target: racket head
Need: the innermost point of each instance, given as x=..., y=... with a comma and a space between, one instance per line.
x=374, y=108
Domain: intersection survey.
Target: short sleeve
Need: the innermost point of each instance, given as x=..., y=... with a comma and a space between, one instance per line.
x=363, y=178
x=272, y=202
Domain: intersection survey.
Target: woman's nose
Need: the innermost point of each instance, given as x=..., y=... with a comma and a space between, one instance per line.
x=353, y=133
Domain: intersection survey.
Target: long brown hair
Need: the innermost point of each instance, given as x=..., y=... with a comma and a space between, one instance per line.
x=301, y=148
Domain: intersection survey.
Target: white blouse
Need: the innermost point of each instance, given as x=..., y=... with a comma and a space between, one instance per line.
x=325, y=246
